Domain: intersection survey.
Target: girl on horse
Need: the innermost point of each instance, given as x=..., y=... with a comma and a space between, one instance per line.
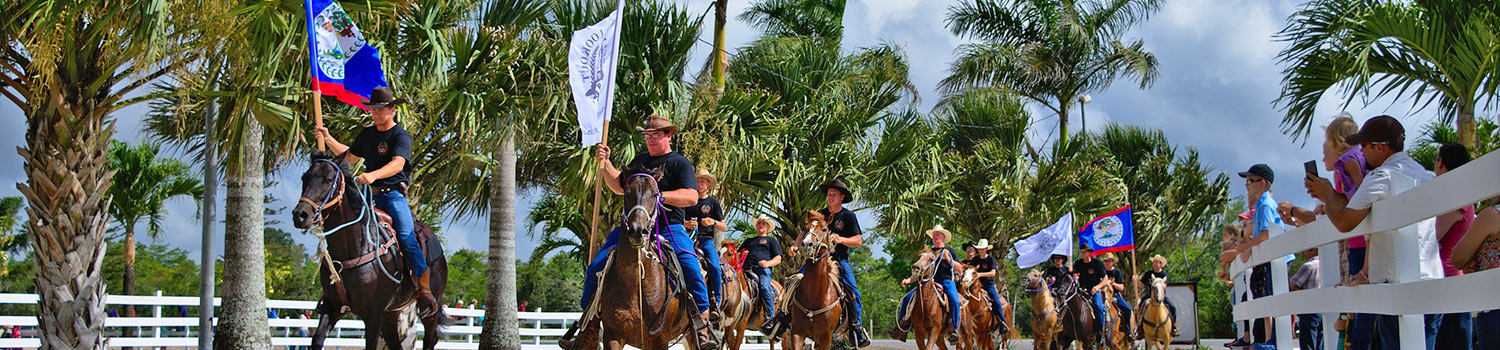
x=943, y=267
x=1158, y=271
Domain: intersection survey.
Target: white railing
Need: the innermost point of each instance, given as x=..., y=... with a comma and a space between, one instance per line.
x=539, y=330
x=1405, y=295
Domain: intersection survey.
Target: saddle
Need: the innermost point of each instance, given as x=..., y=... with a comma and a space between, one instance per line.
x=425, y=239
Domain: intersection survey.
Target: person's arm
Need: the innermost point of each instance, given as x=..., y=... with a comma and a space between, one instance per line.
x=1446, y=221
x=1355, y=173
x=607, y=171
x=333, y=144
x=394, y=166
x=1486, y=223
x=718, y=217
x=686, y=195
x=1337, y=208
x=858, y=239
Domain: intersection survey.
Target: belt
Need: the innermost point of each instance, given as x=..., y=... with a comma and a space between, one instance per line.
x=383, y=190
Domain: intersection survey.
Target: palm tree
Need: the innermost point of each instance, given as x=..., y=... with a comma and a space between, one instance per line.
x=142, y=184
x=801, y=18
x=1426, y=50
x=68, y=65
x=1174, y=198
x=1051, y=52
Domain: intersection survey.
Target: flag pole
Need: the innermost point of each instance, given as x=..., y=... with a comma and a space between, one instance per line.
x=614, y=65
x=317, y=105
x=312, y=71
x=1134, y=286
x=598, y=192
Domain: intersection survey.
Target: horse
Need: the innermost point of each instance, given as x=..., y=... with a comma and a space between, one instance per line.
x=736, y=304
x=977, y=333
x=361, y=271
x=1045, y=320
x=928, y=310
x=1077, y=317
x=1113, y=337
x=1156, y=323
x=814, y=306
x=647, y=309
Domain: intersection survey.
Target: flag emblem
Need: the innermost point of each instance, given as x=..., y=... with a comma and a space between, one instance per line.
x=1110, y=231
x=334, y=50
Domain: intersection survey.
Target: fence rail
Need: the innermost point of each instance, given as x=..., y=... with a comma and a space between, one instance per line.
x=539, y=330
x=1405, y=295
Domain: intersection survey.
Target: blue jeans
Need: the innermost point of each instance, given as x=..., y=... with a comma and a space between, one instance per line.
x=995, y=302
x=1125, y=310
x=1456, y=332
x=1487, y=328
x=949, y=289
x=394, y=203
x=1387, y=330
x=692, y=275
x=767, y=290
x=1310, y=331
x=1098, y=299
x=715, y=275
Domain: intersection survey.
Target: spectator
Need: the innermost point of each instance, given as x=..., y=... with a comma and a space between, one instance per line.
x=1309, y=326
x=523, y=306
x=1456, y=330
x=1265, y=223
x=1382, y=139
x=1479, y=251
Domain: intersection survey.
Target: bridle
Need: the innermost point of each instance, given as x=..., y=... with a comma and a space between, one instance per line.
x=653, y=214
x=333, y=198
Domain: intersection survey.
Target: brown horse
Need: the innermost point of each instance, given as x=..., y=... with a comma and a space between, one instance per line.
x=372, y=281
x=929, y=314
x=1077, y=316
x=813, y=306
x=1156, y=323
x=1113, y=337
x=736, y=304
x=979, y=332
x=644, y=310
x=1045, y=320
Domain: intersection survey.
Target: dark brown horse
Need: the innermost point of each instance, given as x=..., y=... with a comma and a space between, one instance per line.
x=372, y=280
x=814, y=310
x=1077, y=316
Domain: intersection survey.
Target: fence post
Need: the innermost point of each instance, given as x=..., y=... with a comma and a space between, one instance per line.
x=471, y=324
x=1282, y=324
x=1329, y=274
x=538, y=339
x=156, y=312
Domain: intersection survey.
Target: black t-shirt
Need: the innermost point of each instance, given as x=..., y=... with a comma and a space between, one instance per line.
x=1089, y=273
x=708, y=207
x=379, y=147
x=985, y=264
x=1151, y=276
x=1115, y=276
x=760, y=248
x=677, y=173
x=944, y=268
x=1056, y=272
x=845, y=225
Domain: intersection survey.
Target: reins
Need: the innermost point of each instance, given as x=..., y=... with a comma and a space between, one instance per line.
x=333, y=199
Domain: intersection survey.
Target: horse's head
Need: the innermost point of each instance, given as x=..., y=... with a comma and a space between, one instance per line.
x=1034, y=280
x=818, y=236
x=643, y=207
x=1159, y=289
x=323, y=187
x=923, y=260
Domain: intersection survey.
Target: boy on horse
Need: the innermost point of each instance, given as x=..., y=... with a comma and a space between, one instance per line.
x=679, y=189
x=845, y=227
x=706, y=220
x=1090, y=273
x=1058, y=269
x=762, y=253
x=1115, y=278
x=386, y=149
x=985, y=269
x=942, y=273
x=1158, y=271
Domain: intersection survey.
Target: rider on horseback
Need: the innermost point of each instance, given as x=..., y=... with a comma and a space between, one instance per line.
x=1158, y=266
x=679, y=189
x=386, y=148
x=1058, y=269
x=1118, y=288
x=985, y=267
x=763, y=252
x=942, y=273
x=1090, y=273
x=845, y=226
x=706, y=219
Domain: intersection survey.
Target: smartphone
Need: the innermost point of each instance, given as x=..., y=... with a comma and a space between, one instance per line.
x=1311, y=167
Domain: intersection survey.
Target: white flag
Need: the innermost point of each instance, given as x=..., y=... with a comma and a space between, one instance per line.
x=1055, y=239
x=592, y=56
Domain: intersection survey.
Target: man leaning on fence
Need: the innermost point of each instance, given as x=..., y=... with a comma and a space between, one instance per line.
x=1383, y=141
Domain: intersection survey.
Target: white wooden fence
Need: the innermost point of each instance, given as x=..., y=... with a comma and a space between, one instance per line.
x=1406, y=295
x=539, y=330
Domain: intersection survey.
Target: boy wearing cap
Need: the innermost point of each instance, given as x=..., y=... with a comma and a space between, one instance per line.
x=386, y=149
x=763, y=252
x=1265, y=218
x=706, y=220
x=679, y=189
x=1383, y=141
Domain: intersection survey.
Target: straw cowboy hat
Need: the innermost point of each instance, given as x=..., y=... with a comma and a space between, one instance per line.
x=983, y=244
x=712, y=182
x=939, y=229
x=658, y=123
x=1156, y=257
x=765, y=219
x=1107, y=257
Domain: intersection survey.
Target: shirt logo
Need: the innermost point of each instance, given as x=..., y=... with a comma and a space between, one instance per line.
x=838, y=224
x=705, y=209
x=381, y=148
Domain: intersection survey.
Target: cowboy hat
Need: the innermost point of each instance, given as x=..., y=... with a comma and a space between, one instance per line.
x=939, y=229
x=658, y=123
x=838, y=185
x=382, y=97
x=1058, y=256
x=1107, y=256
x=712, y=181
x=1156, y=257
x=983, y=244
x=765, y=219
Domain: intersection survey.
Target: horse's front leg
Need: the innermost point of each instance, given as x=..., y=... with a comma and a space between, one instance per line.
x=373, y=326
x=326, y=321
x=391, y=331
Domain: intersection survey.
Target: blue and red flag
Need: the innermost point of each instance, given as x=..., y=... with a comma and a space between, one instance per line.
x=1113, y=232
x=343, y=64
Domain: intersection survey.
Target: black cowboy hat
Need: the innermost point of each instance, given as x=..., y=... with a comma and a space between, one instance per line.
x=381, y=97
x=838, y=185
x=1058, y=256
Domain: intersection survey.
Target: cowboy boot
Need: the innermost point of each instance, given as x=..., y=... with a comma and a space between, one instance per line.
x=590, y=333
x=897, y=334
x=425, y=300
x=714, y=313
x=861, y=337
x=704, y=332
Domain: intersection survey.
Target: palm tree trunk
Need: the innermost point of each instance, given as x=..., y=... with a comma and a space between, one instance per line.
x=501, y=328
x=1466, y=125
x=66, y=179
x=1062, y=121
x=242, y=324
x=721, y=57
x=129, y=284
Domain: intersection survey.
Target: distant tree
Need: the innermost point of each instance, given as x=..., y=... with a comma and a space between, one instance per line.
x=466, y=280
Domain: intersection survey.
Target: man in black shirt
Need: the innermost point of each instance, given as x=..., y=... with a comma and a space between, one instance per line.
x=845, y=226
x=386, y=149
x=1058, y=269
x=984, y=268
x=679, y=189
x=1090, y=272
x=942, y=274
x=706, y=219
x=762, y=253
x=1159, y=272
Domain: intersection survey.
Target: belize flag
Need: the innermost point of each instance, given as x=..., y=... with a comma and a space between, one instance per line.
x=343, y=65
x=1113, y=232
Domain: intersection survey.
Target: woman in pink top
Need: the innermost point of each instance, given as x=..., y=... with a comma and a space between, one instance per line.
x=1455, y=331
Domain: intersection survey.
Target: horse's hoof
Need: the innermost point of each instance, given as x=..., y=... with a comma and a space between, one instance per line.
x=565, y=344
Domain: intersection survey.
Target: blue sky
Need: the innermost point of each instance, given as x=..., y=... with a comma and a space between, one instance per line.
x=1218, y=79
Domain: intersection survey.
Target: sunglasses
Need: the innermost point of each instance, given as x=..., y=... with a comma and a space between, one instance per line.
x=1251, y=181
x=655, y=135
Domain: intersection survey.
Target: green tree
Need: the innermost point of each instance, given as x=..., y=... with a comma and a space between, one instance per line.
x=291, y=272
x=466, y=277
x=160, y=268
x=142, y=185
x=1051, y=52
x=11, y=242
x=1174, y=198
x=1426, y=51
x=551, y=284
x=1425, y=148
